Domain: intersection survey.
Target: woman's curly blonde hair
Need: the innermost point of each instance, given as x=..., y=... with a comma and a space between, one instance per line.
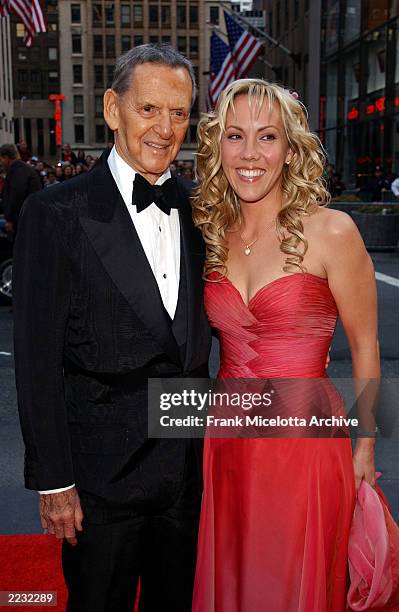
x=215, y=205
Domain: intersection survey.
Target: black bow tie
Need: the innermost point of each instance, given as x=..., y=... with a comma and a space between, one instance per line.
x=164, y=196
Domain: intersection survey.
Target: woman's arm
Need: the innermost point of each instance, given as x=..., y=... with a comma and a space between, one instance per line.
x=351, y=279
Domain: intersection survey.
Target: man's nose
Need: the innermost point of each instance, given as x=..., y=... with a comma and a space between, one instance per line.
x=163, y=126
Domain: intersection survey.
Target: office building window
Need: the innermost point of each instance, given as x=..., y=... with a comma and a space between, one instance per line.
x=75, y=13
x=153, y=15
x=23, y=76
x=100, y=133
x=77, y=74
x=125, y=43
x=98, y=105
x=181, y=16
x=125, y=16
x=166, y=39
x=214, y=15
x=193, y=12
x=98, y=75
x=76, y=43
x=154, y=39
x=137, y=40
x=52, y=54
x=53, y=76
x=98, y=45
x=138, y=15
x=109, y=14
x=78, y=108
x=35, y=76
x=79, y=132
x=165, y=16
x=110, y=46
x=193, y=46
x=110, y=74
x=97, y=14
x=182, y=44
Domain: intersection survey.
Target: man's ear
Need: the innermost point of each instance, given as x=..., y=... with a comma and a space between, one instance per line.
x=111, y=109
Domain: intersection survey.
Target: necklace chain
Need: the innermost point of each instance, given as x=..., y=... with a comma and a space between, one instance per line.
x=247, y=244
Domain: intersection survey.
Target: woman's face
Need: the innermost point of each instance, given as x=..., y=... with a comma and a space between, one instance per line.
x=254, y=150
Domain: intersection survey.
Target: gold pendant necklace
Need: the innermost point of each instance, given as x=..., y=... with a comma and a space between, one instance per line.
x=248, y=245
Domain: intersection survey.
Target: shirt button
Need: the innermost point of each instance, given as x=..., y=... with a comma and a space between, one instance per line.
x=159, y=227
x=164, y=275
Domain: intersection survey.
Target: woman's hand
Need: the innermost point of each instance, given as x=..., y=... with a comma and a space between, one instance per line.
x=363, y=462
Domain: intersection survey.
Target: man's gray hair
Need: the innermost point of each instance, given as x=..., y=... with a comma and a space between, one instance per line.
x=157, y=53
x=9, y=150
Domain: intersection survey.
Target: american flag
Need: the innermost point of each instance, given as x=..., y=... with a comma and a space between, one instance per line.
x=222, y=69
x=29, y=12
x=245, y=48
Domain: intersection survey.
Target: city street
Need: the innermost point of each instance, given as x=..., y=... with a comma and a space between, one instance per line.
x=18, y=507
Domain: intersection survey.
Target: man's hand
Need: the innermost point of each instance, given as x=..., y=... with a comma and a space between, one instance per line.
x=62, y=514
x=9, y=226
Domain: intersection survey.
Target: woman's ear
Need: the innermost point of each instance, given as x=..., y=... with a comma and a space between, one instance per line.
x=289, y=157
x=111, y=109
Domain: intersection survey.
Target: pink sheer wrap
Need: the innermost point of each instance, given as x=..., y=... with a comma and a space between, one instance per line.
x=373, y=553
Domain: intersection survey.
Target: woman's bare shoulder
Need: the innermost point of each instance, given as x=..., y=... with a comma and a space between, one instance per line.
x=332, y=225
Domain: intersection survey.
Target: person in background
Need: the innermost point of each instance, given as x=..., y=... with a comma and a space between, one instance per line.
x=69, y=171
x=24, y=151
x=395, y=187
x=51, y=178
x=377, y=183
x=81, y=157
x=59, y=172
x=337, y=186
x=79, y=168
x=68, y=155
x=21, y=181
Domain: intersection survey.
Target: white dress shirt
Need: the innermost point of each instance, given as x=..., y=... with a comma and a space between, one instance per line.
x=159, y=235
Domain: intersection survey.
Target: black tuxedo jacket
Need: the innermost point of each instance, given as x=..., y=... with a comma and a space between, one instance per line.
x=90, y=328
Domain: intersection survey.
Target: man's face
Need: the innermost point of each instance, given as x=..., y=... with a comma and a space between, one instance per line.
x=151, y=119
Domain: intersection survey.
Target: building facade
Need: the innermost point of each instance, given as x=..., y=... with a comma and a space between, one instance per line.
x=6, y=92
x=36, y=75
x=296, y=26
x=361, y=87
x=94, y=34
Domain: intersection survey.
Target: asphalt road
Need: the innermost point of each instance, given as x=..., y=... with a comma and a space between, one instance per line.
x=18, y=507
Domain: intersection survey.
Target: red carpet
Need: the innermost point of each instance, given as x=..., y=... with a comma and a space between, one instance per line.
x=32, y=563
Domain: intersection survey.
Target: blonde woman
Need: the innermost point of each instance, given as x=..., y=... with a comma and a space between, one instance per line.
x=280, y=268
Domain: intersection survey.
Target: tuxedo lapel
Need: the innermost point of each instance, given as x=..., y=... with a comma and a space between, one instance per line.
x=193, y=258
x=113, y=236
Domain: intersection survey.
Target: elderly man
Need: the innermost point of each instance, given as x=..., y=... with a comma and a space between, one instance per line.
x=118, y=300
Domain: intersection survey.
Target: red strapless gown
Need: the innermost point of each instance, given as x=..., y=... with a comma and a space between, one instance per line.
x=276, y=513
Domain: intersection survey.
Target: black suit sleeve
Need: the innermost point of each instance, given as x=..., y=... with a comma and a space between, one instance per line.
x=41, y=293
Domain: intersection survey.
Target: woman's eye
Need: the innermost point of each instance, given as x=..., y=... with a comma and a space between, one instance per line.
x=233, y=136
x=268, y=137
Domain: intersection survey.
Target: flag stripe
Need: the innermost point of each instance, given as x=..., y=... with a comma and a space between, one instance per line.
x=29, y=12
x=245, y=47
